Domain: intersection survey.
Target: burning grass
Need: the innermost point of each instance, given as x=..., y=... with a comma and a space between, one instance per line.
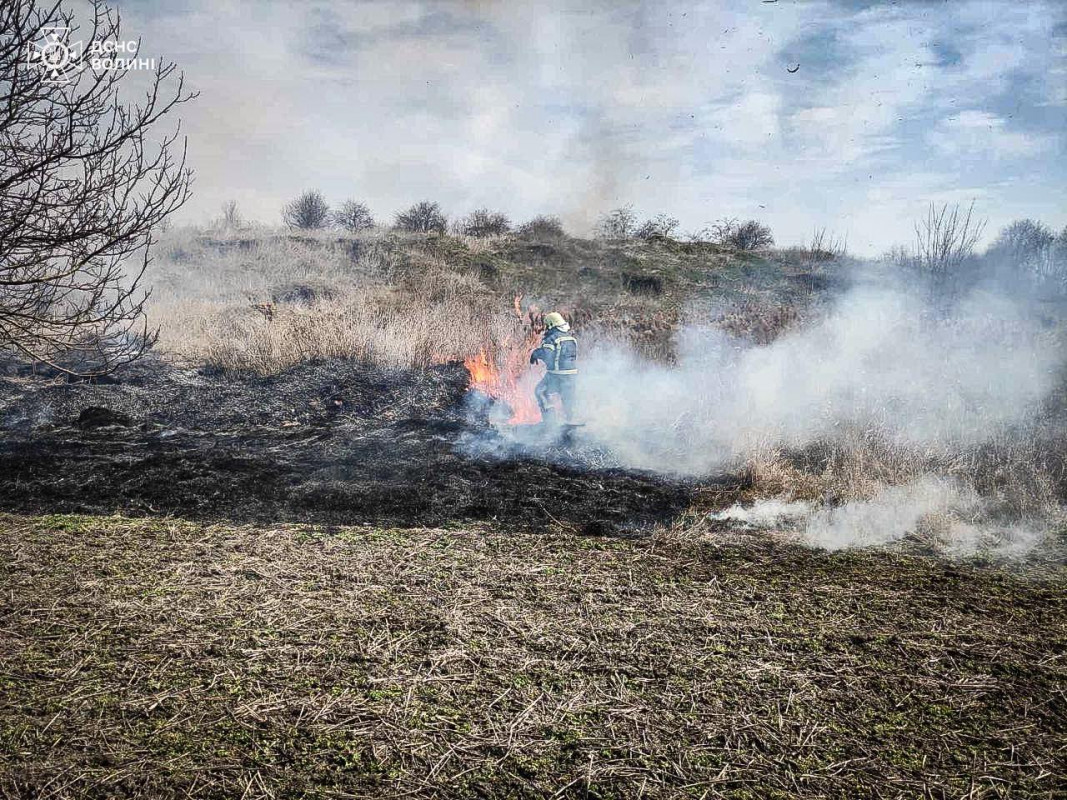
x=162, y=658
x=501, y=370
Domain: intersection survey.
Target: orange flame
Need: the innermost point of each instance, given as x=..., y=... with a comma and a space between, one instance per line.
x=507, y=378
x=505, y=374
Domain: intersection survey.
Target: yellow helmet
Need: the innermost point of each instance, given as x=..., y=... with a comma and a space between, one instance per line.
x=553, y=319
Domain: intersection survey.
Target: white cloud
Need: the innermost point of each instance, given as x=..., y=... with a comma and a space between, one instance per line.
x=980, y=134
x=572, y=107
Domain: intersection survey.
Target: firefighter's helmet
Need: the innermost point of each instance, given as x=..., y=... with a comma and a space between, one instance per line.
x=553, y=319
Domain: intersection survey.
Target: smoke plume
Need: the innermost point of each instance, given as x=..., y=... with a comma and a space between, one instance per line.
x=934, y=388
x=878, y=360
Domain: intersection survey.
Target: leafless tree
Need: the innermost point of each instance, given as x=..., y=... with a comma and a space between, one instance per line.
x=308, y=212
x=231, y=216
x=617, y=224
x=423, y=217
x=825, y=246
x=86, y=180
x=721, y=230
x=752, y=235
x=353, y=217
x=900, y=256
x=944, y=241
x=483, y=223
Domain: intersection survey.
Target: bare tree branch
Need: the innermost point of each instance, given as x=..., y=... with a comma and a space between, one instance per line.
x=944, y=240
x=85, y=181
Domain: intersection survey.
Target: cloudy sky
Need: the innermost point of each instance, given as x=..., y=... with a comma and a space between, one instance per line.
x=573, y=107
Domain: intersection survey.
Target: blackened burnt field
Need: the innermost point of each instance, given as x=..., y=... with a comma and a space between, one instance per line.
x=328, y=442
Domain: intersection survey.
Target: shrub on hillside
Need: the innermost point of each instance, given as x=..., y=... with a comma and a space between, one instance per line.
x=483, y=223
x=353, y=217
x=661, y=226
x=748, y=235
x=825, y=246
x=310, y=211
x=1023, y=239
x=423, y=217
x=542, y=227
x=1058, y=258
x=944, y=247
x=1059, y=247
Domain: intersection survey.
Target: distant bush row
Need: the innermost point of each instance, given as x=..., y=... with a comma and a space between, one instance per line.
x=310, y=211
x=1026, y=250
x=944, y=248
x=622, y=223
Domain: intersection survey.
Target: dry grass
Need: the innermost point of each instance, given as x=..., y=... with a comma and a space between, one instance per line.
x=265, y=303
x=442, y=319
x=161, y=658
x=264, y=300
x=759, y=323
x=1021, y=473
x=856, y=464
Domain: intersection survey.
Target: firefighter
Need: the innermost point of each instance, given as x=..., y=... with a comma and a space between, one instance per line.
x=559, y=352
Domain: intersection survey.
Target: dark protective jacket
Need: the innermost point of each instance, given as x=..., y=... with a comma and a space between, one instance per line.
x=559, y=351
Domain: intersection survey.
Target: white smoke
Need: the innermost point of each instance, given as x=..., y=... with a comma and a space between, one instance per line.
x=945, y=514
x=892, y=514
x=771, y=513
x=929, y=386
x=877, y=361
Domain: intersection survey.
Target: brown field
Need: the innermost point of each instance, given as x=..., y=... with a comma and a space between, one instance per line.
x=160, y=658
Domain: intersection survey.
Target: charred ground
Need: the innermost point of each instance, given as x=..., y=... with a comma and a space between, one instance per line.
x=338, y=442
